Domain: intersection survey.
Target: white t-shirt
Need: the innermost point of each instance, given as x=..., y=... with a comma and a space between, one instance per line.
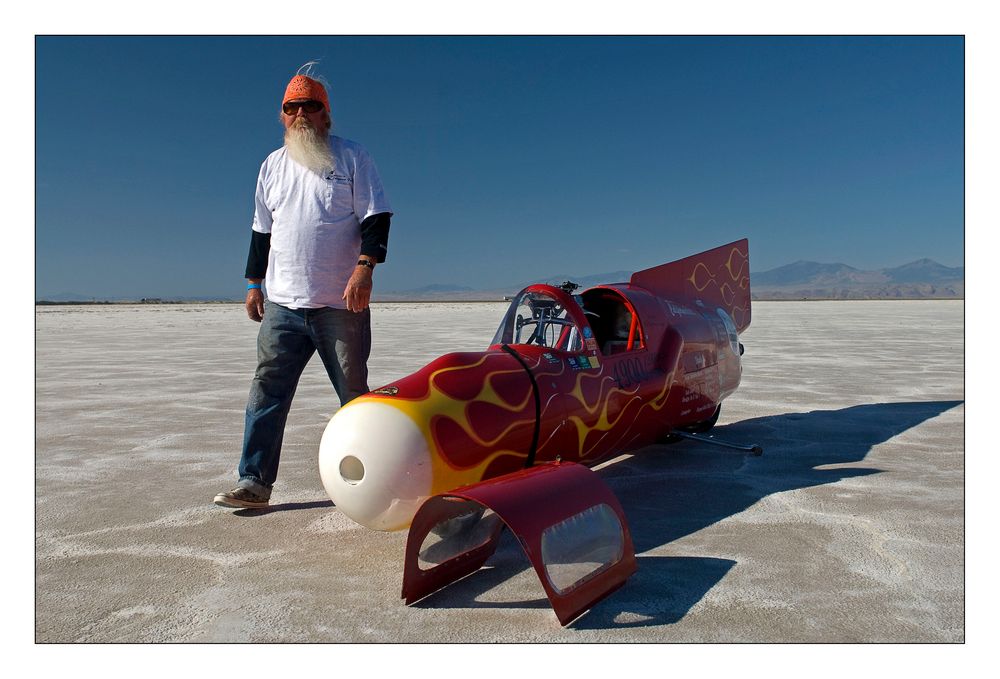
x=315, y=223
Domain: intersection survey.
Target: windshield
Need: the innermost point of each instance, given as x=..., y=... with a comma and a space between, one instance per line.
x=540, y=319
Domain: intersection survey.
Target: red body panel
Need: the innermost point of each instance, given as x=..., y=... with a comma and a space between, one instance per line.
x=533, y=503
x=717, y=278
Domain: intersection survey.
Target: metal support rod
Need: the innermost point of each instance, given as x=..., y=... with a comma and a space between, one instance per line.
x=753, y=449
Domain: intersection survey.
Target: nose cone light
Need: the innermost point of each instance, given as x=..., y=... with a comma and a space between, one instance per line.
x=375, y=464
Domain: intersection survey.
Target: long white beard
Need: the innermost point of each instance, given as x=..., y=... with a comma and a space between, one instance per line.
x=309, y=147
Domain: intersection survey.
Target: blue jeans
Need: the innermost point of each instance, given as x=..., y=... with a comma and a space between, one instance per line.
x=285, y=343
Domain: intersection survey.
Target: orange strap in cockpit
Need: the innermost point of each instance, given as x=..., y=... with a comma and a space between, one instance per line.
x=634, y=327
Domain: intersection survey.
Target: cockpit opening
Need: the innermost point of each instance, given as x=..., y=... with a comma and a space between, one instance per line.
x=616, y=327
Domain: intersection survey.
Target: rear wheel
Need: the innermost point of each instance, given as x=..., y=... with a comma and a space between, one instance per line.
x=696, y=428
x=704, y=425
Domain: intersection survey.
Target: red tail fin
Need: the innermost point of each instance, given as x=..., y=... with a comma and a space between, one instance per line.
x=719, y=278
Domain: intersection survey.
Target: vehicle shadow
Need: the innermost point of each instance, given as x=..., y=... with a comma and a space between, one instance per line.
x=669, y=491
x=662, y=591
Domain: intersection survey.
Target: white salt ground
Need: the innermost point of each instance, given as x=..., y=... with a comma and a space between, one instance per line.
x=849, y=529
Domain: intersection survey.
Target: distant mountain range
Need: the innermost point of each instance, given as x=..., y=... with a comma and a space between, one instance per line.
x=79, y=298
x=922, y=279
x=456, y=293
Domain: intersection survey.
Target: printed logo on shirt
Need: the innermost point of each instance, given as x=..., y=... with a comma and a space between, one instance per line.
x=337, y=178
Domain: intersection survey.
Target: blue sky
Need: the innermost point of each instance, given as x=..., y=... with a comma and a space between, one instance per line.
x=506, y=159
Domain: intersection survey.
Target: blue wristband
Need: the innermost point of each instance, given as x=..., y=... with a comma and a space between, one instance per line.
x=253, y=286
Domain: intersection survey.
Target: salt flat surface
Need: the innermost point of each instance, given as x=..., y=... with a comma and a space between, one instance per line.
x=849, y=528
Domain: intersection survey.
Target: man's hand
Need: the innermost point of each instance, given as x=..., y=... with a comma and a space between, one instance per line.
x=359, y=289
x=255, y=304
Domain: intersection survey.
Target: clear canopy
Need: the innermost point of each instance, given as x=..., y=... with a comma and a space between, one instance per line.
x=538, y=318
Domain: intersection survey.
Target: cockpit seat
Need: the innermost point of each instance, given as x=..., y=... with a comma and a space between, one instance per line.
x=613, y=347
x=610, y=320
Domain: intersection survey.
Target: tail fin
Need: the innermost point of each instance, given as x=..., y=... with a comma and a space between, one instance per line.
x=719, y=278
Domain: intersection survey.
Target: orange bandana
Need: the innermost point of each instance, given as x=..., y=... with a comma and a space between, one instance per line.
x=304, y=87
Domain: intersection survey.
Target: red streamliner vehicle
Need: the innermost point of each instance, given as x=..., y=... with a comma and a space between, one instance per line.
x=478, y=441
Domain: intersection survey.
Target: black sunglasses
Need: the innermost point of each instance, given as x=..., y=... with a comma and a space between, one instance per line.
x=310, y=106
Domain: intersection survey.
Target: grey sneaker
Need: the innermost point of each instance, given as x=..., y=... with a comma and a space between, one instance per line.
x=243, y=498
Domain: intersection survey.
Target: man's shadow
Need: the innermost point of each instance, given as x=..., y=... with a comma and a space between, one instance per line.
x=669, y=491
x=283, y=507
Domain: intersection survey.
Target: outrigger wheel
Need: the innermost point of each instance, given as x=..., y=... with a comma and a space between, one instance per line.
x=695, y=432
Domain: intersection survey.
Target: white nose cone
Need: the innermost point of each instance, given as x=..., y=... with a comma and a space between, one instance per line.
x=375, y=465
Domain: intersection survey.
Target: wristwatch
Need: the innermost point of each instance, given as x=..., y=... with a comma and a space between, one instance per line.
x=366, y=262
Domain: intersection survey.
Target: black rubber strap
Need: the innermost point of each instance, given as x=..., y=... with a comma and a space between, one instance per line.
x=538, y=406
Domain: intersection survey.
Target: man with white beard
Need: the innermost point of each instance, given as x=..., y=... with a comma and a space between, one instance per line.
x=320, y=225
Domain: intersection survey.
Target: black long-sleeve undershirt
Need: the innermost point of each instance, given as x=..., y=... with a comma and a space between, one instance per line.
x=374, y=243
x=260, y=247
x=375, y=236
